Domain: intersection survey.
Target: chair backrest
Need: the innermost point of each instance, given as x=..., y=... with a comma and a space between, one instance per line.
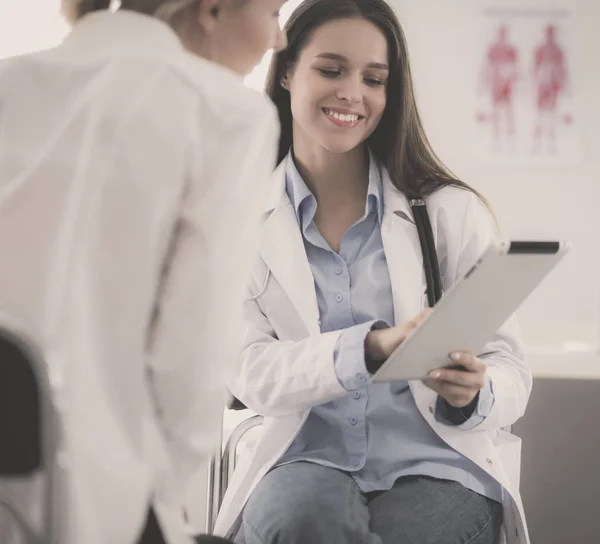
x=28, y=427
x=20, y=410
x=236, y=404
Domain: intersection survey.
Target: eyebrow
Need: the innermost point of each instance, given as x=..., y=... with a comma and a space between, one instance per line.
x=341, y=58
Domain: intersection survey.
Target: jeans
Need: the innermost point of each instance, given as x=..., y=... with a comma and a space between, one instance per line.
x=305, y=502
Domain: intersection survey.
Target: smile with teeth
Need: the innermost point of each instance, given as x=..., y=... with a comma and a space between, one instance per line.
x=347, y=119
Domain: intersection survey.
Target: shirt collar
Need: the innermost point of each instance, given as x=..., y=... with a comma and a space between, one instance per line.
x=123, y=29
x=375, y=189
x=305, y=204
x=296, y=188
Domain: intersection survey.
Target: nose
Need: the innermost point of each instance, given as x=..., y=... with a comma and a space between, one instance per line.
x=281, y=41
x=349, y=90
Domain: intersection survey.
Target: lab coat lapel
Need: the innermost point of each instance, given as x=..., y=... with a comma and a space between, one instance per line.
x=282, y=248
x=403, y=253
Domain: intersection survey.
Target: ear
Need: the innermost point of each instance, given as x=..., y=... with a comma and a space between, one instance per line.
x=286, y=79
x=208, y=13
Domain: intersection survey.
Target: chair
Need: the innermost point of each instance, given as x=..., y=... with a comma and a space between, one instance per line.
x=28, y=429
x=223, y=462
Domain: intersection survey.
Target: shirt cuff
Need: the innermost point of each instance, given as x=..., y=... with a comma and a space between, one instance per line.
x=349, y=355
x=469, y=417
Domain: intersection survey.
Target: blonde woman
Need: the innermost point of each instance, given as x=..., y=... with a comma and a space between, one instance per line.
x=131, y=170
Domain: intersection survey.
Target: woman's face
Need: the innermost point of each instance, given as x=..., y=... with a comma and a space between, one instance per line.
x=338, y=86
x=244, y=31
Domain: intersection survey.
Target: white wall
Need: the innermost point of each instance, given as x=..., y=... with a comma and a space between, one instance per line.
x=531, y=202
x=30, y=25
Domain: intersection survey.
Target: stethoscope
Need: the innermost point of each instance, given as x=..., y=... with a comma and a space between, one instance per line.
x=430, y=260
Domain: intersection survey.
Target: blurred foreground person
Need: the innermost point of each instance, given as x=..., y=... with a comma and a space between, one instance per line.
x=132, y=166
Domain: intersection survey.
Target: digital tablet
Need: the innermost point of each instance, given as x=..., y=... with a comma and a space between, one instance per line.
x=468, y=316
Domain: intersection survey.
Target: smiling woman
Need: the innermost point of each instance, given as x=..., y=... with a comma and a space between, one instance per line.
x=337, y=285
x=338, y=80
x=396, y=135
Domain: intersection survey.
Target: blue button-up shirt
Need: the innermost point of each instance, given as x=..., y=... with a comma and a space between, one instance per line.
x=376, y=432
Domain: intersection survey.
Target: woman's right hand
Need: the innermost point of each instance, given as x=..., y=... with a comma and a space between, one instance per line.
x=381, y=343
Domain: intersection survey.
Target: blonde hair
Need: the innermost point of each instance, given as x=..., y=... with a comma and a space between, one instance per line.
x=167, y=10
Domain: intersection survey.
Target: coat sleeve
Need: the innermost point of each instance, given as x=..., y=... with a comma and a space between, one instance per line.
x=274, y=377
x=508, y=375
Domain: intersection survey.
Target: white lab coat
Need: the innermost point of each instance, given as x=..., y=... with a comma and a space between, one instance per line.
x=286, y=367
x=130, y=179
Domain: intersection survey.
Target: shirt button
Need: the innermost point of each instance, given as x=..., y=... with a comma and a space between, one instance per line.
x=355, y=462
x=431, y=410
x=489, y=461
x=357, y=395
x=338, y=270
x=360, y=378
x=353, y=420
x=339, y=298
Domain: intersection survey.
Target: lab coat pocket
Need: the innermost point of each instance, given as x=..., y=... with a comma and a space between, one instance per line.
x=508, y=448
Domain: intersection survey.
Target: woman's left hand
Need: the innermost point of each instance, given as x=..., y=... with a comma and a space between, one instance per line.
x=458, y=387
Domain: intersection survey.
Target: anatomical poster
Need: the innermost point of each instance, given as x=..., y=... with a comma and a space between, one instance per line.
x=525, y=87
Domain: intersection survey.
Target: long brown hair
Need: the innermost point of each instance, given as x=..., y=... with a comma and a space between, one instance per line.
x=399, y=141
